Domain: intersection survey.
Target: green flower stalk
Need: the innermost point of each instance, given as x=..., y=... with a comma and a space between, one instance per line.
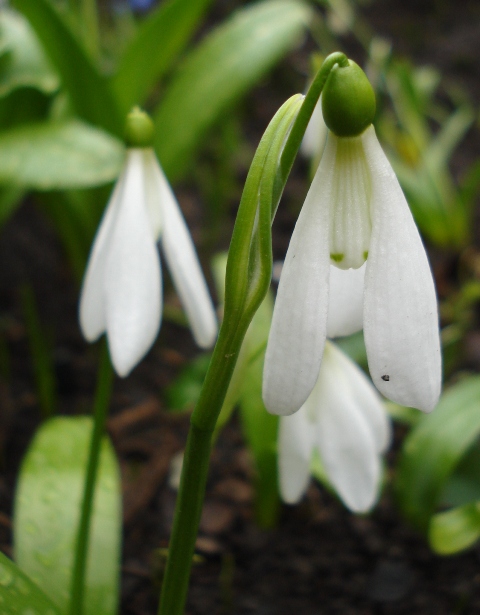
x=248, y=278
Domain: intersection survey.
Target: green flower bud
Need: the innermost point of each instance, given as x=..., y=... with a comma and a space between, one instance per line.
x=139, y=129
x=348, y=101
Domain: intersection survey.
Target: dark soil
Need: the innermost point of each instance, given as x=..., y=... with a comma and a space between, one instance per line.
x=320, y=558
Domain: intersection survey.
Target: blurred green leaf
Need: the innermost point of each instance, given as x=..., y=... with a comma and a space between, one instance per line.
x=434, y=448
x=260, y=427
x=19, y=594
x=158, y=41
x=25, y=63
x=49, y=156
x=10, y=198
x=47, y=509
x=455, y=530
x=438, y=153
x=224, y=66
x=41, y=354
x=88, y=90
x=183, y=393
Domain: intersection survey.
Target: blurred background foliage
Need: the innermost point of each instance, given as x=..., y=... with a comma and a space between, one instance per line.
x=70, y=70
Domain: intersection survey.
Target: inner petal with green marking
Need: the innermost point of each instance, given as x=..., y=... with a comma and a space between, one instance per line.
x=350, y=221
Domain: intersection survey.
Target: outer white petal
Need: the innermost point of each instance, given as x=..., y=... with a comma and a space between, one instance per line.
x=344, y=439
x=92, y=296
x=132, y=274
x=315, y=135
x=400, y=311
x=345, y=301
x=298, y=331
x=183, y=262
x=295, y=447
x=365, y=396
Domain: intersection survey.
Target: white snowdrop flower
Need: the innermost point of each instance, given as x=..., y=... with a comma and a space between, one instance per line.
x=122, y=288
x=345, y=421
x=355, y=211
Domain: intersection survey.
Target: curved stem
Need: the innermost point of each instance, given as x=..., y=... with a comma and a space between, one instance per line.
x=100, y=410
x=250, y=271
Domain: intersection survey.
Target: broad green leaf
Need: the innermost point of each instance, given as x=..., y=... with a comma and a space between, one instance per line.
x=88, y=90
x=25, y=64
x=47, y=510
x=433, y=449
x=160, y=38
x=224, y=66
x=455, y=530
x=19, y=594
x=52, y=156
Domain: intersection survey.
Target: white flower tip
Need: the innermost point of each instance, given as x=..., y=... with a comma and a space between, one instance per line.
x=281, y=402
x=206, y=335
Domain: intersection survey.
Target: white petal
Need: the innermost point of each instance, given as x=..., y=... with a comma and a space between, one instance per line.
x=183, y=263
x=345, y=301
x=366, y=397
x=400, y=310
x=298, y=331
x=344, y=439
x=315, y=135
x=295, y=446
x=132, y=274
x=92, y=295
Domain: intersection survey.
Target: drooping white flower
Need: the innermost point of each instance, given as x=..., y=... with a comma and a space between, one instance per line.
x=122, y=289
x=355, y=211
x=345, y=421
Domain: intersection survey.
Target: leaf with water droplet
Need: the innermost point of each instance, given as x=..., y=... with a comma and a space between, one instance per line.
x=19, y=594
x=47, y=509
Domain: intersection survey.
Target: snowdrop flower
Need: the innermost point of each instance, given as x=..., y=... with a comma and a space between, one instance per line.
x=122, y=288
x=345, y=421
x=355, y=211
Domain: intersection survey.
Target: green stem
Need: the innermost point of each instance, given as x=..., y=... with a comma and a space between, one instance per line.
x=301, y=122
x=101, y=404
x=91, y=32
x=194, y=472
x=245, y=298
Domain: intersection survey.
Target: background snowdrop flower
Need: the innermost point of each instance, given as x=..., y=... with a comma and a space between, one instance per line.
x=355, y=211
x=345, y=421
x=122, y=288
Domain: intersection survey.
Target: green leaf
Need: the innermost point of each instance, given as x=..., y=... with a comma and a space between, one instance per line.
x=226, y=65
x=184, y=392
x=260, y=427
x=25, y=64
x=19, y=594
x=439, y=151
x=88, y=90
x=10, y=198
x=434, y=448
x=455, y=530
x=53, y=156
x=47, y=510
x=160, y=38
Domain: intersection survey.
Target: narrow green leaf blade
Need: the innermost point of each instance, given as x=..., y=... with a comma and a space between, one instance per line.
x=160, y=38
x=226, y=65
x=47, y=509
x=19, y=594
x=433, y=449
x=26, y=64
x=89, y=91
x=455, y=530
x=53, y=156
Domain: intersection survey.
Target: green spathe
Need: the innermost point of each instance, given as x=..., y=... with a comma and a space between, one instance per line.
x=348, y=101
x=139, y=129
